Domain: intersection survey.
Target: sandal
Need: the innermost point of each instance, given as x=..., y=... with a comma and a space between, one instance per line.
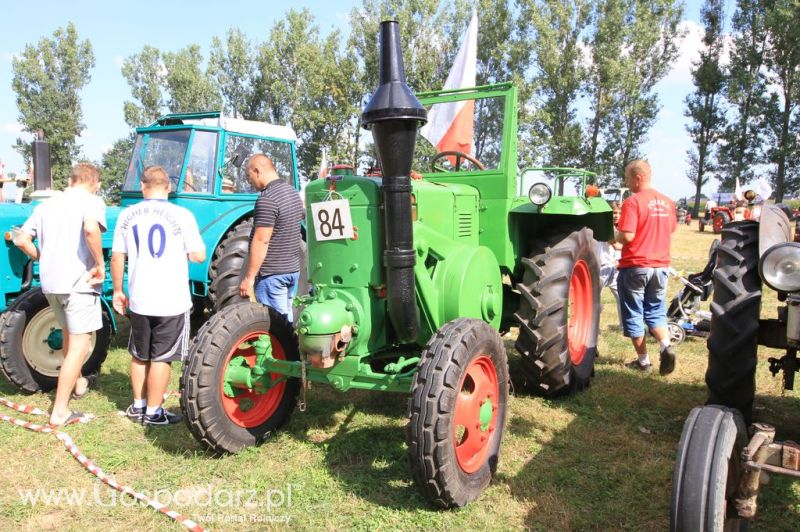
x=74, y=417
x=91, y=380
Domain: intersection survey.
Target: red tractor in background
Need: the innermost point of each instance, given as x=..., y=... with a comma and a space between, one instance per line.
x=721, y=209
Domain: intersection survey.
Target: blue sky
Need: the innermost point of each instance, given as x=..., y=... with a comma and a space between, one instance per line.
x=118, y=30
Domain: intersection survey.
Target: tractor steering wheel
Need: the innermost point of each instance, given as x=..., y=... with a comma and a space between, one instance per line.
x=459, y=155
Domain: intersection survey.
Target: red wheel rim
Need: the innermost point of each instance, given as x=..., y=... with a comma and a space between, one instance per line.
x=719, y=222
x=250, y=409
x=475, y=416
x=580, y=312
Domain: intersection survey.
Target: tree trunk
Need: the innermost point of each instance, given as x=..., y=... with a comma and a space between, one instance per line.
x=782, y=144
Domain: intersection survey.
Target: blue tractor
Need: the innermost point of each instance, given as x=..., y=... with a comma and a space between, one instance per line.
x=204, y=155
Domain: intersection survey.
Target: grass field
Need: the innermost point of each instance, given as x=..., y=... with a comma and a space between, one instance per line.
x=601, y=460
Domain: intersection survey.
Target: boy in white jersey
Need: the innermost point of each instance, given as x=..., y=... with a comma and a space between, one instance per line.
x=157, y=237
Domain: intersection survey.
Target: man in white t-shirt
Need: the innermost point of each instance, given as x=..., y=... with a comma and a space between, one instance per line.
x=157, y=237
x=68, y=229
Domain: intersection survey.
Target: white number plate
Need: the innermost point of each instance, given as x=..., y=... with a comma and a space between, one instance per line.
x=332, y=220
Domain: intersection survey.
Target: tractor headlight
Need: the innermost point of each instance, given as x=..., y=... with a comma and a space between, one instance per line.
x=780, y=267
x=539, y=194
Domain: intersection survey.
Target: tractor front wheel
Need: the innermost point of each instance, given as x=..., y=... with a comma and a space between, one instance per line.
x=707, y=471
x=721, y=219
x=227, y=423
x=457, y=412
x=559, y=314
x=31, y=341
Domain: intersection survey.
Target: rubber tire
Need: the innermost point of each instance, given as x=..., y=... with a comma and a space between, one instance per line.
x=701, y=226
x=707, y=471
x=429, y=433
x=199, y=383
x=227, y=264
x=12, y=360
x=677, y=334
x=735, y=310
x=229, y=261
x=546, y=366
x=719, y=226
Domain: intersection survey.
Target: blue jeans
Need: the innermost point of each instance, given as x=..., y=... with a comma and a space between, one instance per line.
x=642, y=293
x=277, y=291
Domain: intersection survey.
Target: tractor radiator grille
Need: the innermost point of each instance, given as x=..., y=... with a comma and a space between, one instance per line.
x=465, y=224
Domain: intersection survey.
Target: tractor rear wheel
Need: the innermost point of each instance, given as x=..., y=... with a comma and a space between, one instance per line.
x=227, y=264
x=559, y=314
x=707, y=471
x=226, y=424
x=735, y=309
x=230, y=259
x=721, y=219
x=31, y=340
x=457, y=412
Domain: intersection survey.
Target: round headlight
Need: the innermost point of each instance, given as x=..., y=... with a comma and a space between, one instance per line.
x=539, y=194
x=780, y=267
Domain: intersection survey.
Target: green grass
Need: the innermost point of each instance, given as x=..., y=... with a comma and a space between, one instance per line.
x=600, y=460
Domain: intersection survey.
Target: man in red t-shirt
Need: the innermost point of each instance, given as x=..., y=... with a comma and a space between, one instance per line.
x=645, y=232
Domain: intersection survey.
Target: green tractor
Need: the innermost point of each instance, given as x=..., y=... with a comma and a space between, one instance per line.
x=203, y=154
x=414, y=281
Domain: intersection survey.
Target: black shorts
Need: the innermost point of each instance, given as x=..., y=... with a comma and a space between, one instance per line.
x=159, y=338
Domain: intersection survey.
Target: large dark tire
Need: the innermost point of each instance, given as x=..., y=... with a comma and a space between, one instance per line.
x=230, y=259
x=735, y=309
x=457, y=412
x=30, y=353
x=559, y=314
x=229, y=424
x=721, y=219
x=227, y=264
x=707, y=471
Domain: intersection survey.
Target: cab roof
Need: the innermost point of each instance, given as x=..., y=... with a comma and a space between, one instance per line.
x=233, y=125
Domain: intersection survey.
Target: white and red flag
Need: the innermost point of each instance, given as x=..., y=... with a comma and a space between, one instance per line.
x=450, y=125
x=323, y=165
x=737, y=191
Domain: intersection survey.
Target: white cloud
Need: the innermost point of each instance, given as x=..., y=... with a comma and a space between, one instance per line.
x=14, y=128
x=688, y=52
x=8, y=56
x=118, y=60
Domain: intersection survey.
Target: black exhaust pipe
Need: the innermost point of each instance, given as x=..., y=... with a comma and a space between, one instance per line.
x=394, y=114
x=42, y=174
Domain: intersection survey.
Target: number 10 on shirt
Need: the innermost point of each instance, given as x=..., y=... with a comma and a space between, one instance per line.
x=332, y=220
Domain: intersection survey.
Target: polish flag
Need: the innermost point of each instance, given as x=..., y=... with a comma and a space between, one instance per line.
x=737, y=191
x=450, y=125
x=323, y=165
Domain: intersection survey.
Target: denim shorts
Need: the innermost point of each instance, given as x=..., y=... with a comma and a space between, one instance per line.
x=277, y=291
x=642, y=294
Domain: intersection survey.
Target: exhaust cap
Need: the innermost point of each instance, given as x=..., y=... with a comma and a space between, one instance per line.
x=393, y=100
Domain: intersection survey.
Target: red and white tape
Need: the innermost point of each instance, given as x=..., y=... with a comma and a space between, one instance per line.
x=90, y=466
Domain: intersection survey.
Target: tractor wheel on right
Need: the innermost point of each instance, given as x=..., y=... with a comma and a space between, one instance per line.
x=227, y=421
x=735, y=309
x=457, y=412
x=707, y=471
x=559, y=314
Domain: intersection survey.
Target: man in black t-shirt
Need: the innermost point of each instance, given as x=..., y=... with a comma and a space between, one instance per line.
x=273, y=265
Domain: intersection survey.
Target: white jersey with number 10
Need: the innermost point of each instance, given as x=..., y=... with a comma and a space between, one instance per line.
x=157, y=236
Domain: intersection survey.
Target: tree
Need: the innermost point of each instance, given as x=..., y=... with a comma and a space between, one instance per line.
x=299, y=82
x=742, y=144
x=554, y=37
x=703, y=106
x=232, y=65
x=190, y=88
x=604, y=77
x=113, y=166
x=145, y=74
x=650, y=48
x=47, y=79
x=783, y=62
